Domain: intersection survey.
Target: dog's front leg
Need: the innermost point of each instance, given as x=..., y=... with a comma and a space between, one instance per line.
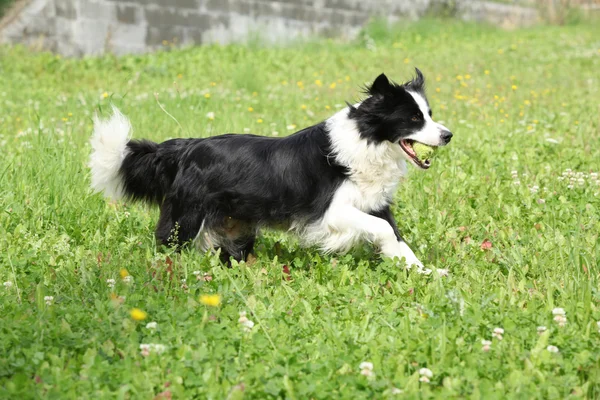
x=380, y=228
x=407, y=253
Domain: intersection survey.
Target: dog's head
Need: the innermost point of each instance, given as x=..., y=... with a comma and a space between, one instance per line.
x=399, y=114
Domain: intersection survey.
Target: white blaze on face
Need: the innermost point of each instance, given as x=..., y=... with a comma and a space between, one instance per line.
x=431, y=132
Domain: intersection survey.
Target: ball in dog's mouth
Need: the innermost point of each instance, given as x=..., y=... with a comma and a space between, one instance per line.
x=419, y=153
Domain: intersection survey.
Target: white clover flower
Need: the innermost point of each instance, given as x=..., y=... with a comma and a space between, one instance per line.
x=534, y=189
x=49, y=300
x=443, y=272
x=151, y=325
x=146, y=349
x=246, y=324
x=128, y=279
x=552, y=349
x=558, y=311
x=426, y=372
x=366, y=365
x=424, y=379
x=561, y=320
x=246, y=130
x=541, y=329
x=517, y=183
x=366, y=369
x=8, y=284
x=395, y=390
x=486, y=345
x=110, y=282
x=210, y=115
x=541, y=201
x=553, y=141
x=497, y=333
x=196, y=273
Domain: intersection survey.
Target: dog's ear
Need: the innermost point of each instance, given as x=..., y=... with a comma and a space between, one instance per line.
x=419, y=81
x=380, y=86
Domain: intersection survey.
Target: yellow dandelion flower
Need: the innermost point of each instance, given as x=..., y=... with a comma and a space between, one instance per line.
x=250, y=109
x=105, y=94
x=406, y=60
x=318, y=83
x=332, y=86
x=527, y=102
x=535, y=121
x=213, y=84
x=254, y=94
x=327, y=107
x=459, y=77
x=284, y=83
x=467, y=76
x=303, y=106
x=300, y=84
x=347, y=78
x=207, y=95
x=521, y=114
x=212, y=300
x=500, y=51
x=514, y=87
x=70, y=114
x=123, y=273
x=438, y=78
x=260, y=121
x=438, y=90
x=179, y=76
x=487, y=72
x=138, y=314
x=65, y=119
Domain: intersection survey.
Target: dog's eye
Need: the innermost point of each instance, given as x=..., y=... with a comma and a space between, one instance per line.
x=416, y=118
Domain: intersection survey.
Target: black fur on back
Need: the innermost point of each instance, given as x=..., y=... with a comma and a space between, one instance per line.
x=252, y=179
x=148, y=170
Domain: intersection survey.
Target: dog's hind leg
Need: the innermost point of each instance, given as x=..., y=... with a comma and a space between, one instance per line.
x=236, y=239
x=177, y=224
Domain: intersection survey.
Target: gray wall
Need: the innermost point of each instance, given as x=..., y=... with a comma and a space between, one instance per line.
x=78, y=27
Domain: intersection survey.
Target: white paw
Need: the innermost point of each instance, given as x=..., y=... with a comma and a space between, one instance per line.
x=402, y=252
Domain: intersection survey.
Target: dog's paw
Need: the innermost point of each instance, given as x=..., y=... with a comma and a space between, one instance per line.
x=414, y=262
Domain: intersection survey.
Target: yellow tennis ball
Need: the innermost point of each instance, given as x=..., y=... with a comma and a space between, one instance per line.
x=423, y=151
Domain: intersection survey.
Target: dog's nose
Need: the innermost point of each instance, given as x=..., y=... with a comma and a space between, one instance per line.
x=446, y=136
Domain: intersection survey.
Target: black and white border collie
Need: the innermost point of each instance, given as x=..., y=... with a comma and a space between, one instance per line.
x=331, y=183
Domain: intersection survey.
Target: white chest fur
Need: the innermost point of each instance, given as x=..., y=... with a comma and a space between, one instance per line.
x=375, y=169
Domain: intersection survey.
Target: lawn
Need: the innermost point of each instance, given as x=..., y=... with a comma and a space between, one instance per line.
x=508, y=219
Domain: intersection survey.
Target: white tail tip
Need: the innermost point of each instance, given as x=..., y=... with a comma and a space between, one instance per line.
x=109, y=148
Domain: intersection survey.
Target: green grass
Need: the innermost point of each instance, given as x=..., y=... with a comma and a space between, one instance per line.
x=524, y=101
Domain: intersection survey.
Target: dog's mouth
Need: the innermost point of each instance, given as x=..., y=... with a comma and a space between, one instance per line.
x=406, y=145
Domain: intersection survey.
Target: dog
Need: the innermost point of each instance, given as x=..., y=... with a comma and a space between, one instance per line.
x=331, y=183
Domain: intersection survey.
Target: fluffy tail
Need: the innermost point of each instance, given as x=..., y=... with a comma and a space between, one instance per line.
x=124, y=168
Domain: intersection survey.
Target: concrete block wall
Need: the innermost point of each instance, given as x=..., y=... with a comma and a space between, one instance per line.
x=89, y=27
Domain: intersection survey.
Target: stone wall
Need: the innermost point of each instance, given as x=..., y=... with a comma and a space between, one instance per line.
x=84, y=27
